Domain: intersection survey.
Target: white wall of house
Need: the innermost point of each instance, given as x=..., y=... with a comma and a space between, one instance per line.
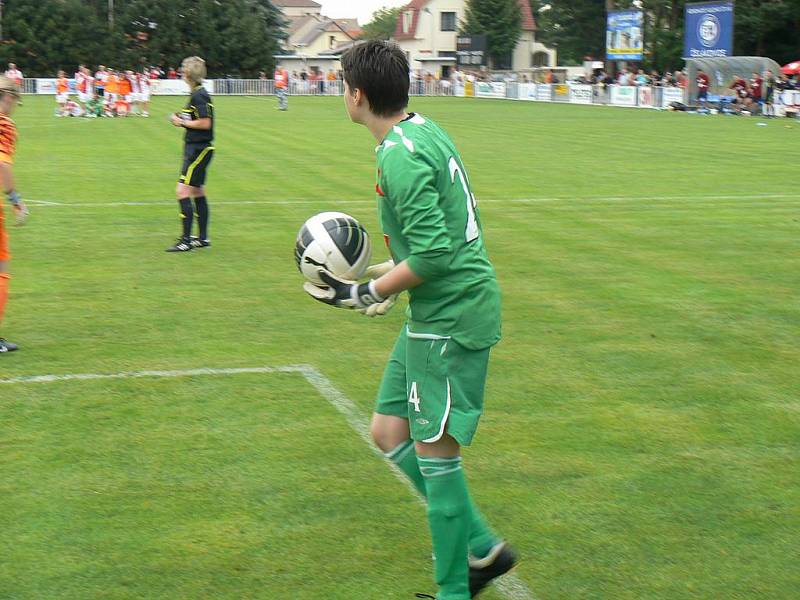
x=527, y=48
x=431, y=41
x=325, y=41
x=433, y=34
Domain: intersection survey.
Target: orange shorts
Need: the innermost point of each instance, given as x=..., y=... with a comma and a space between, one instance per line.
x=4, y=253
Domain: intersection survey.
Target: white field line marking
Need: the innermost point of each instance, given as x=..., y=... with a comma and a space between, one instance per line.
x=510, y=586
x=290, y=201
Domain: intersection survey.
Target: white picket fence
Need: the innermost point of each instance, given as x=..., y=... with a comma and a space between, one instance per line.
x=572, y=93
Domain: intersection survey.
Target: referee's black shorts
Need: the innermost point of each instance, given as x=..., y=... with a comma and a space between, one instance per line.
x=196, y=158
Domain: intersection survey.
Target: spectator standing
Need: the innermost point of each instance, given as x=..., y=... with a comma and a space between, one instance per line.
x=655, y=78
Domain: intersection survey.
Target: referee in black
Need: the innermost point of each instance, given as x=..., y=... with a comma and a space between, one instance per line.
x=198, y=121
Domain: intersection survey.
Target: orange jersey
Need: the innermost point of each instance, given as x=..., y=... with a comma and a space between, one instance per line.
x=8, y=143
x=281, y=78
x=8, y=139
x=62, y=85
x=112, y=84
x=124, y=86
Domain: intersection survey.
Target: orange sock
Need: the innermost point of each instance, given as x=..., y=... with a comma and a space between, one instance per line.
x=4, y=277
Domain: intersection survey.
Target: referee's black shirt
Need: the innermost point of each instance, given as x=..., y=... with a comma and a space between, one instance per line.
x=199, y=107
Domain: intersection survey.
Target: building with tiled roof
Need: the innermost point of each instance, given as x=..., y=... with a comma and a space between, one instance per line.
x=311, y=36
x=427, y=31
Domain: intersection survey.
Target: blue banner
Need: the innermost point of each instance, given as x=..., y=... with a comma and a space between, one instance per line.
x=624, y=39
x=709, y=29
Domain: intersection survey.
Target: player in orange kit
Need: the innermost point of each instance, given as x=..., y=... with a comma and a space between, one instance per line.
x=9, y=97
x=112, y=91
x=125, y=91
x=62, y=93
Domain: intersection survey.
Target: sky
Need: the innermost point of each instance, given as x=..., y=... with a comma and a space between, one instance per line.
x=361, y=9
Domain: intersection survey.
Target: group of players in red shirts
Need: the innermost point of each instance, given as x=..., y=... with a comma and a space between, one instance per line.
x=106, y=93
x=750, y=96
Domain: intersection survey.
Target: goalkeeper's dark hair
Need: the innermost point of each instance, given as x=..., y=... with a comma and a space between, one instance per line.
x=380, y=70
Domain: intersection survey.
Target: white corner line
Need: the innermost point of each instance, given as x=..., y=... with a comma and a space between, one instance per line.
x=510, y=586
x=691, y=199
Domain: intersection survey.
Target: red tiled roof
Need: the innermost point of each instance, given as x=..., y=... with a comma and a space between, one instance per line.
x=528, y=22
x=415, y=6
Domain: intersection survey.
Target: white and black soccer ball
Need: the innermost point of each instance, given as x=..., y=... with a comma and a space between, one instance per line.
x=333, y=241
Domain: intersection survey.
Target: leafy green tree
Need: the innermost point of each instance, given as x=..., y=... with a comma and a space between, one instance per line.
x=576, y=27
x=500, y=20
x=383, y=24
x=237, y=37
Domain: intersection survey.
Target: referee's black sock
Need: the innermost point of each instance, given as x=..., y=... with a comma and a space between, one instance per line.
x=201, y=207
x=186, y=216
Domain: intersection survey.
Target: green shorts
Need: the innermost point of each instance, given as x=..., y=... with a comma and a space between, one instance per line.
x=436, y=384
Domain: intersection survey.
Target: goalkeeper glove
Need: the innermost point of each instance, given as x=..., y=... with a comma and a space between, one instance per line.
x=342, y=293
x=20, y=209
x=379, y=308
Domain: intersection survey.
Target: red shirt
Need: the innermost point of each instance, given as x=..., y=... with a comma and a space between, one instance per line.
x=702, y=81
x=755, y=87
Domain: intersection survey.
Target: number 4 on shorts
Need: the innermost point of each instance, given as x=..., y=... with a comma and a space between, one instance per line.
x=413, y=396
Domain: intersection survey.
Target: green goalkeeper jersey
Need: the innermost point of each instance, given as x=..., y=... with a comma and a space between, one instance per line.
x=430, y=218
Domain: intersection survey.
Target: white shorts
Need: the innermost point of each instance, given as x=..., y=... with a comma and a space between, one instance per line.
x=112, y=98
x=62, y=98
x=144, y=97
x=83, y=97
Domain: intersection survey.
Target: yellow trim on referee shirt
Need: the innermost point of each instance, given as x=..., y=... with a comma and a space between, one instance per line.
x=188, y=177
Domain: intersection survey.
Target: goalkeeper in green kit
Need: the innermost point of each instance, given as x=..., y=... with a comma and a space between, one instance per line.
x=431, y=395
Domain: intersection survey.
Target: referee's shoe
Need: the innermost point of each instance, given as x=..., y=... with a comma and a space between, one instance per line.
x=181, y=245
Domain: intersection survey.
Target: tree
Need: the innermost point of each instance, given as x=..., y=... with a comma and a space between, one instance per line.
x=576, y=27
x=235, y=36
x=383, y=24
x=501, y=21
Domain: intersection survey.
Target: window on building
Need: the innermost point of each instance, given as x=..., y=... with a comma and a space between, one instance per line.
x=448, y=21
x=407, y=16
x=540, y=59
x=331, y=41
x=502, y=62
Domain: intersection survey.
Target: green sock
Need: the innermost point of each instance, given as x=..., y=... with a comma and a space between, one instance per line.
x=481, y=538
x=449, y=517
x=405, y=458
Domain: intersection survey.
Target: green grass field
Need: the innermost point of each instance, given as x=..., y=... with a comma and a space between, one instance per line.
x=642, y=432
